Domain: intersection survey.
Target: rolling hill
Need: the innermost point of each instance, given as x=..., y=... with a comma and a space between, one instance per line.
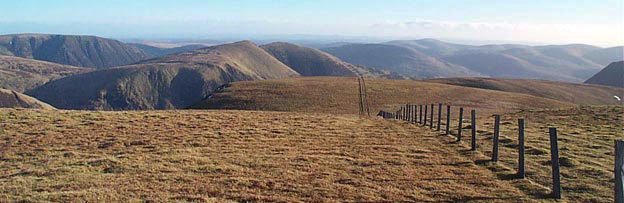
x=153, y=51
x=340, y=96
x=612, y=75
x=569, y=63
x=168, y=82
x=566, y=92
x=398, y=59
x=606, y=56
x=83, y=51
x=13, y=99
x=21, y=74
x=309, y=61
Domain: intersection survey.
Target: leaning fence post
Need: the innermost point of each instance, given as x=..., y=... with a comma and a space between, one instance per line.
x=496, y=134
x=431, y=122
x=448, y=119
x=521, y=148
x=425, y=121
x=619, y=169
x=554, y=157
x=459, y=129
x=473, y=122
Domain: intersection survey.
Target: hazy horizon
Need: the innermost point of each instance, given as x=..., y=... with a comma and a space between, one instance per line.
x=535, y=22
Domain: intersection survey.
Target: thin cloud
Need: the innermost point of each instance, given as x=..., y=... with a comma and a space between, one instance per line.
x=600, y=34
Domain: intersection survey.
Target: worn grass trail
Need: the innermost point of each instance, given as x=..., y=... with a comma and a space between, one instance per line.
x=215, y=156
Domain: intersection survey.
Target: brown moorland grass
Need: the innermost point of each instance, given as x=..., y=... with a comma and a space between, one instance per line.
x=586, y=137
x=219, y=156
x=582, y=94
x=340, y=96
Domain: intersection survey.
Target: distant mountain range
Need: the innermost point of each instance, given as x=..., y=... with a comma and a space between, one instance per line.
x=430, y=58
x=612, y=75
x=111, y=75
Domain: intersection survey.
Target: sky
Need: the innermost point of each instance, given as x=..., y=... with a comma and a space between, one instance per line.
x=597, y=22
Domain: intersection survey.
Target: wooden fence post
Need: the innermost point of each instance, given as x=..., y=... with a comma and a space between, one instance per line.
x=431, y=123
x=459, y=129
x=409, y=113
x=619, y=169
x=420, y=114
x=496, y=134
x=473, y=122
x=415, y=114
x=425, y=121
x=448, y=119
x=439, y=116
x=554, y=158
x=521, y=148
x=405, y=112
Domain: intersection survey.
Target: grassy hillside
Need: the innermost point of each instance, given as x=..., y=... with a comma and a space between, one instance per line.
x=245, y=56
x=585, y=139
x=21, y=74
x=308, y=61
x=173, y=81
x=612, y=75
x=83, y=51
x=13, y=99
x=340, y=95
x=566, y=92
x=232, y=156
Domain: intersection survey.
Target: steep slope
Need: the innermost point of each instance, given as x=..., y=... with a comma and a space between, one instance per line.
x=565, y=92
x=83, y=51
x=153, y=51
x=612, y=75
x=606, y=56
x=308, y=61
x=398, y=59
x=21, y=74
x=169, y=82
x=339, y=96
x=13, y=99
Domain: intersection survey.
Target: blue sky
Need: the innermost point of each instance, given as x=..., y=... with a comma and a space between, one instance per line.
x=599, y=22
